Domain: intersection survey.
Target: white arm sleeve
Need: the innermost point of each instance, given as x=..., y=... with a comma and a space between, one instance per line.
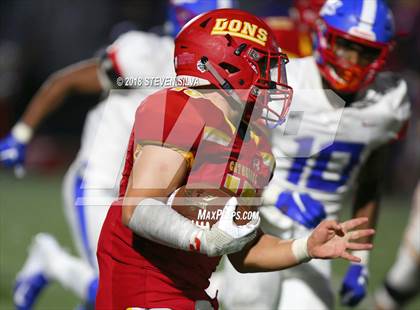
x=154, y=220
x=158, y=222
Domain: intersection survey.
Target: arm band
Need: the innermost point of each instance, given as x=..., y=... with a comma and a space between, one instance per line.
x=300, y=250
x=22, y=132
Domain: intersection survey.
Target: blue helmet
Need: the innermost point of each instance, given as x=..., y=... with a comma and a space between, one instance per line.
x=182, y=11
x=368, y=23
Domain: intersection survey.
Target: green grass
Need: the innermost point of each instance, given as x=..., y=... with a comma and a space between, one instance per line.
x=392, y=221
x=33, y=204
x=28, y=206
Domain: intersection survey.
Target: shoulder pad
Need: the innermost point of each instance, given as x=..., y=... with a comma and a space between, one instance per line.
x=168, y=118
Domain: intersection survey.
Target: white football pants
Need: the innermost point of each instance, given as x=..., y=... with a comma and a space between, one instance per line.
x=306, y=286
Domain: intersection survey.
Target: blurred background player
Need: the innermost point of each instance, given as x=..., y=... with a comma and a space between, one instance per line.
x=329, y=144
x=402, y=283
x=91, y=183
x=294, y=30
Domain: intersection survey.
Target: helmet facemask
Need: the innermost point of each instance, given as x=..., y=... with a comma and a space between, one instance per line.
x=343, y=75
x=275, y=95
x=267, y=89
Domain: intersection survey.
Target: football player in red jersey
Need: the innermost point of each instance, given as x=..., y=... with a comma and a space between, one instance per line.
x=149, y=255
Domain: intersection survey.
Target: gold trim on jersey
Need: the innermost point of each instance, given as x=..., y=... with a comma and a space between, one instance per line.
x=216, y=136
x=137, y=151
x=268, y=160
x=188, y=155
x=193, y=93
x=254, y=136
x=228, y=121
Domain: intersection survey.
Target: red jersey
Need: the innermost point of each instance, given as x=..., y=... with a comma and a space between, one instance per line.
x=136, y=272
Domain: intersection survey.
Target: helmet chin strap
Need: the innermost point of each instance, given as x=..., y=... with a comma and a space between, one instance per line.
x=222, y=82
x=245, y=108
x=247, y=112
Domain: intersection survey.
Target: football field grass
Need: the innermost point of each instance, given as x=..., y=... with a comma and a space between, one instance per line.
x=33, y=204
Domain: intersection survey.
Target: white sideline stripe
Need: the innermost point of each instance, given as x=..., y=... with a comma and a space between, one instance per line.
x=368, y=15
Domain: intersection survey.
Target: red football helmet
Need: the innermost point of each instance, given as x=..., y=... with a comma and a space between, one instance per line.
x=237, y=52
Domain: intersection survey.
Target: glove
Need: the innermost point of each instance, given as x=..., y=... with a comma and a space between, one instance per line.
x=354, y=286
x=12, y=152
x=225, y=237
x=13, y=147
x=301, y=208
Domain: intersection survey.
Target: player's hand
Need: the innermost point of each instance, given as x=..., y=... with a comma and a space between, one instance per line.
x=333, y=240
x=227, y=224
x=354, y=286
x=301, y=208
x=225, y=237
x=12, y=152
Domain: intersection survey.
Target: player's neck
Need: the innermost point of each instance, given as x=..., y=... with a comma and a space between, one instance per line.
x=220, y=102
